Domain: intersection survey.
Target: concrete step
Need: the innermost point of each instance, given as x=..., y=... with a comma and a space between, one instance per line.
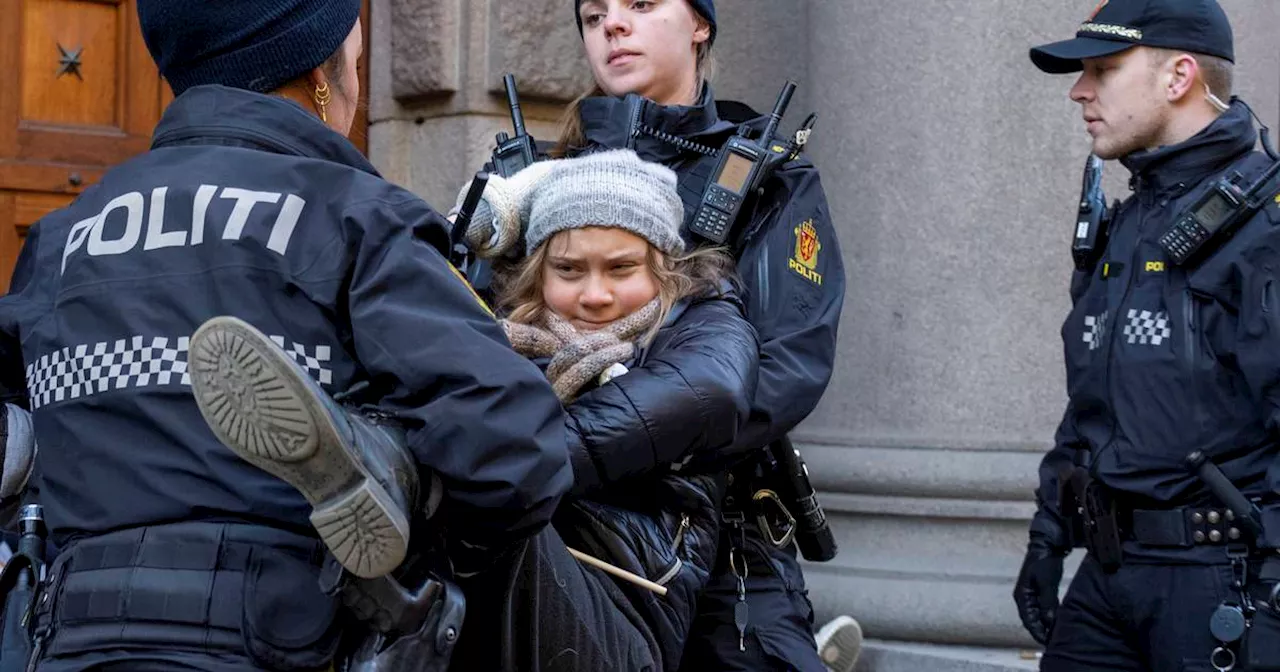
x=887, y=656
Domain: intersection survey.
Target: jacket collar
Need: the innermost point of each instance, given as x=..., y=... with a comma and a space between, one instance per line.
x=220, y=115
x=616, y=123
x=1179, y=166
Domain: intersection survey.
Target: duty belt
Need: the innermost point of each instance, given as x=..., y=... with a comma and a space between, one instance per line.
x=189, y=574
x=1184, y=527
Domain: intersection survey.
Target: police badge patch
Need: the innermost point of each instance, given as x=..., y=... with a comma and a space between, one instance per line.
x=805, y=260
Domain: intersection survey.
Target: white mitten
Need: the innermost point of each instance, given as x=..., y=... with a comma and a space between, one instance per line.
x=498, y=223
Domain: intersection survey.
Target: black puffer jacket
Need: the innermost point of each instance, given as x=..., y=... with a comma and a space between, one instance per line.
x=689, y=392
x=786, y=248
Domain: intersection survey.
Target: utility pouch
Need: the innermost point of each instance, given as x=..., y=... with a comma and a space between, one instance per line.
x=1102, y=529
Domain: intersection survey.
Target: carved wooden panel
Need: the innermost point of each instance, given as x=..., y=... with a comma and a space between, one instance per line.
x=90, y=94
x=69, y=61
x=80, y=95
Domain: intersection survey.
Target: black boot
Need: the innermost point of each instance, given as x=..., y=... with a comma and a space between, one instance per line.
x=357, y=474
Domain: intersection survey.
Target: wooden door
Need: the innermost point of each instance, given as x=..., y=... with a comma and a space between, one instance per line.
x=79, y=93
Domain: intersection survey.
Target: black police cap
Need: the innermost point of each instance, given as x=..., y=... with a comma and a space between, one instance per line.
x=1197, y=26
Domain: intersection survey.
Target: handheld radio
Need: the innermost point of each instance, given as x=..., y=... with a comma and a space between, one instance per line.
x=1094, y=219
x=744, y=165
x=458, y=253
x=1216, y=215
x=513, y=153
x=510, y=156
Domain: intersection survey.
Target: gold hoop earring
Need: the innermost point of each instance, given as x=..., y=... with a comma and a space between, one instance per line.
x=323, y=96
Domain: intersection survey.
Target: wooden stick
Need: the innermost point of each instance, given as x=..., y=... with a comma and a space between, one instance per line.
x=618, y=571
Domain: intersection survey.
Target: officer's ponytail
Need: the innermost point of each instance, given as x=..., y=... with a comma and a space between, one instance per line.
x=571, y=135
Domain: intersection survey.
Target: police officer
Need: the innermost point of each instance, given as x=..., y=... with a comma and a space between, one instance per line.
x=251, y=203
x=650, y=64
x=1166, y=354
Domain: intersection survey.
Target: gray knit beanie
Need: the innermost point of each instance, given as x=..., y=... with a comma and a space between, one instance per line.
x=614, y=189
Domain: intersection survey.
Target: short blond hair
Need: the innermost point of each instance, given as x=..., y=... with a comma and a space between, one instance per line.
x=1216, y=72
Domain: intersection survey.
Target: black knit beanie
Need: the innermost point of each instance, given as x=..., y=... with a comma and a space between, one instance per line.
x=706, y=8
x=258, y=45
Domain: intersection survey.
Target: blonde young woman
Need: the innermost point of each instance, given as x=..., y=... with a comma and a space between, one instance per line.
x=647, y=347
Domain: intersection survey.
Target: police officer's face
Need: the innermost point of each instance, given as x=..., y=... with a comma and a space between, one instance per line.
x=346, y=90
x=1123, y=103
x=647, y=47
x=594, y=276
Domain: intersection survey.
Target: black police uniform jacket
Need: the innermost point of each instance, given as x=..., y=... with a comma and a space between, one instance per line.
x=1164, y=360
x=686, y=395
x=785, y=246
x=247, y=205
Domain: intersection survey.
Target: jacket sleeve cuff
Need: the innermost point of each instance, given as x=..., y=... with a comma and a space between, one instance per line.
x=1047, y=529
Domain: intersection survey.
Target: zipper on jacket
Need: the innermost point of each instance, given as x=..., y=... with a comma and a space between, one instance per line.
x=1114, y=325
x=1189, y=334
x=684, y=527
x=761, y=298
x=633, y=124
x=675, y=551
x=1191, y=354
x=754, y=226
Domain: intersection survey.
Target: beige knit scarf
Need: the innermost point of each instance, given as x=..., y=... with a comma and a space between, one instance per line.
x=579, y=357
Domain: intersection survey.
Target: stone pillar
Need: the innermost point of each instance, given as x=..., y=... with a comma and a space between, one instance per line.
x=436, y=96
x=952, y=166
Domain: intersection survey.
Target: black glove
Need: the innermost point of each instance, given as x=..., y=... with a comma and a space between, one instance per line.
x=1036, y=592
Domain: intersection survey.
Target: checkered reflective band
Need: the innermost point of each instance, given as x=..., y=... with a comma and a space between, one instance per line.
x=1147, y=328
x=83, y=370
x=1095, y=327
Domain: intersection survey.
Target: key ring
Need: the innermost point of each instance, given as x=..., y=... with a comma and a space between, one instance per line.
x=733, y=567
x=765, y=495
x=1223, y=659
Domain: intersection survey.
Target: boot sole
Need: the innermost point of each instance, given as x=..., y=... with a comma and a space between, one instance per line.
x=841, y=643
x=255, y=399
